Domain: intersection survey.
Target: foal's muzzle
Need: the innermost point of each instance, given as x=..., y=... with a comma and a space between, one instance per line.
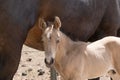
x=49, y=63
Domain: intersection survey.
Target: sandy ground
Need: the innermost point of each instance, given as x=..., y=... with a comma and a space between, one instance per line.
x=32, y=66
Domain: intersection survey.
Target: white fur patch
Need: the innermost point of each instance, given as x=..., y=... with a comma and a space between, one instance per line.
x=48, y=31
x=58, y=34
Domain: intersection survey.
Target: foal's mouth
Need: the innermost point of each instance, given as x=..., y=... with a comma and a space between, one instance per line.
x=49, y=63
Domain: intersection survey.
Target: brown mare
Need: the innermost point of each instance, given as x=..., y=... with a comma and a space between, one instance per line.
x=80, y=60
x=82, y=20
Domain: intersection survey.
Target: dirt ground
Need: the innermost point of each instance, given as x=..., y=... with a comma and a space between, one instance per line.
x=32, y=66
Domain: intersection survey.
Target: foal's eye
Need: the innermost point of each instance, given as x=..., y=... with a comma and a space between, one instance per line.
x=57, y=41
x=50, y=38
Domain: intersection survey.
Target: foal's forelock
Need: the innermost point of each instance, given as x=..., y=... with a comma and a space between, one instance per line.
x=48, y=32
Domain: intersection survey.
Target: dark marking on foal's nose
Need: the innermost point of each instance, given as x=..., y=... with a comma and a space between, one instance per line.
x=49, y=63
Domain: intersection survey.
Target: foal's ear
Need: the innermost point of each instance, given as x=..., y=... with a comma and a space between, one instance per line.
x=57, y=23
x=42, y=24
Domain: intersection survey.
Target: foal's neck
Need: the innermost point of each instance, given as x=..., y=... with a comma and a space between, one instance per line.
x=63, y=47
x=66, y=47
x=65, y=52
x=66, y=42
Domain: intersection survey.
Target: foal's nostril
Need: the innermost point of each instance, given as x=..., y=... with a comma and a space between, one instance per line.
x=50, y=62
x=46, y=61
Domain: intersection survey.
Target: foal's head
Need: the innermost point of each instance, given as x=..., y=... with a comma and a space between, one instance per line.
x=51, y=38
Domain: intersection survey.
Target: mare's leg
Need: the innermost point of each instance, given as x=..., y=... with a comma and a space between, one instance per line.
x=11, y=40
x=10, y=53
